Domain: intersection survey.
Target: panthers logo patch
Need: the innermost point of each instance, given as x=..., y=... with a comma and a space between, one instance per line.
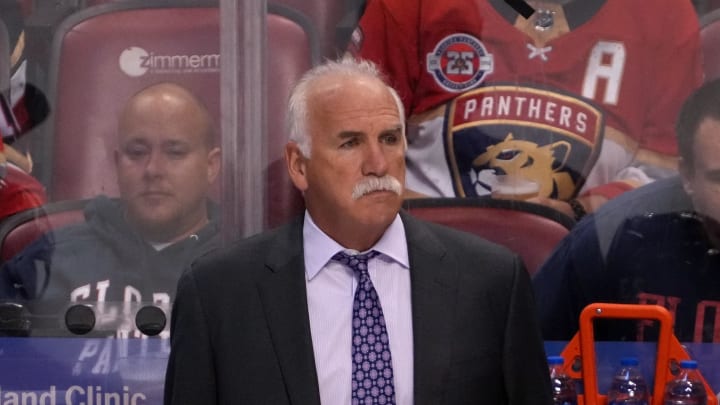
x=543, y=136
x=459, y=62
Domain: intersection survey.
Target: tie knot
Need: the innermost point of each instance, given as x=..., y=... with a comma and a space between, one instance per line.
x=356, y=262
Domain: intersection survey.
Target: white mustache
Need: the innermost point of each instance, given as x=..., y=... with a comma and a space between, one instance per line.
x=370, y=184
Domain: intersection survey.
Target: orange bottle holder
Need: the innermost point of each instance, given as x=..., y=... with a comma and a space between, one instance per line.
x=580, y=359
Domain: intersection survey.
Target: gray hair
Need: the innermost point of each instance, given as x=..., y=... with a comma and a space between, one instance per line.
x=297, y=113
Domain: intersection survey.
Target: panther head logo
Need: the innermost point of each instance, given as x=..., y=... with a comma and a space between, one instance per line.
x=530, y=161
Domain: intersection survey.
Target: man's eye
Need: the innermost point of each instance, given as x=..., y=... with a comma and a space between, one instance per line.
x=136, y=153
x=390, y=139
x=349, y=144
x=177, y=153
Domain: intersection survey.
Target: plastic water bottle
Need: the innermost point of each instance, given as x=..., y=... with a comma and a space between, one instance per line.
x=687, y=388
x=628, y=386
x=563, y=386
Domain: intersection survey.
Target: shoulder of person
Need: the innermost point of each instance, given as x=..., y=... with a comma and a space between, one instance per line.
x=457, y=242
x=654, y=230
x=249, y=255
x=659, y=197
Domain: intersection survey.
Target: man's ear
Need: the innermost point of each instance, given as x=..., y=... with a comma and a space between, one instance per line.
x=214, y=161
x=296, y=165
x=686, y=174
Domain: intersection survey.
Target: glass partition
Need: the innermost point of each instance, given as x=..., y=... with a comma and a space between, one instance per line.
x=139, y=135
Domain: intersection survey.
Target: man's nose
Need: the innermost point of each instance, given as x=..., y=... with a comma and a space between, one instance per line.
x=375, y=160
x=155, y=164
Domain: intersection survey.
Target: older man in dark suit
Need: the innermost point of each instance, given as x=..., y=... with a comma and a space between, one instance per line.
x=355, y=301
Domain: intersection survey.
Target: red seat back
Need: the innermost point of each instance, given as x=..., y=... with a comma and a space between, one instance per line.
x=292, y=50
x=530, y=230
x=331, y=18
x=21, y=229
x=101, y=57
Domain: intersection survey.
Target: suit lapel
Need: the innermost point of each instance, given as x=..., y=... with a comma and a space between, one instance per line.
x=284, y=299
x=433, y=280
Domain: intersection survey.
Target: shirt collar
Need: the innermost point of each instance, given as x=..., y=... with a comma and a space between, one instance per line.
x=319, y=248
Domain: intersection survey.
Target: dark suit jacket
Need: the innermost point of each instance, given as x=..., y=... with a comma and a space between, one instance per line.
x=241, y=332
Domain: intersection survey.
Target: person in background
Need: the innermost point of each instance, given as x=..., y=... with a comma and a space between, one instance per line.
x=570, y=107
x=659, y=244
x=132, y=249
x=355, y=301
x=24, y=107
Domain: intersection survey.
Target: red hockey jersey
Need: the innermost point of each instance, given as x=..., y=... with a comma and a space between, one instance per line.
x=577, y=97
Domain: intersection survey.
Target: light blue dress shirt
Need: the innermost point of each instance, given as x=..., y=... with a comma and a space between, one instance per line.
x=330, y=292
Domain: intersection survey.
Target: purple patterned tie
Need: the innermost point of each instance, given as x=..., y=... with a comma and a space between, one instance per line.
x=372, y=373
